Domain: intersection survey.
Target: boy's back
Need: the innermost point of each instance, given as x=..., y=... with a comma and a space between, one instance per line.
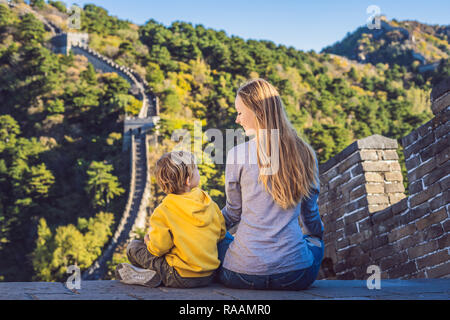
x=186, y=229
x=180, y=249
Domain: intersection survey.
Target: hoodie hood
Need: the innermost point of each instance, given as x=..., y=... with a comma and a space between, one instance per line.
x=193, y=205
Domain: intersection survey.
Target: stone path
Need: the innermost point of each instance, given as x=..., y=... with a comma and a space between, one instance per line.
x=419, y=289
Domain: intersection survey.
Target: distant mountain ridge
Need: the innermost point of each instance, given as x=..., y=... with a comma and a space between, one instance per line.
x=406, y=43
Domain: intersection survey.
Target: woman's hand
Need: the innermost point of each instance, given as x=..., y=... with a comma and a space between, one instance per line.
x=146, y=239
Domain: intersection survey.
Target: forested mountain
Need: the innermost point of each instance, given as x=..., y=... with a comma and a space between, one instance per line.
x=63, y=176
x=405, y=43
x=60, y=152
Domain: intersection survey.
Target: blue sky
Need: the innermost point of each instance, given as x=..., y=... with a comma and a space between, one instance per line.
x=305, y=25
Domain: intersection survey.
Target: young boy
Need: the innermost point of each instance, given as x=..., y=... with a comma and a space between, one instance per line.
x=180, y=249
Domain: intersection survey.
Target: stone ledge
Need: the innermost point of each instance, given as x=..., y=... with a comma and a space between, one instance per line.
x=375, y=141
x=418, y=289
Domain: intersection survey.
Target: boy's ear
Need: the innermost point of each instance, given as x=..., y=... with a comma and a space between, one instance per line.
x=188, y=181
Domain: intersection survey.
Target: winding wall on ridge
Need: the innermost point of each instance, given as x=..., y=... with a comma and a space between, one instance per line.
x=135, y=212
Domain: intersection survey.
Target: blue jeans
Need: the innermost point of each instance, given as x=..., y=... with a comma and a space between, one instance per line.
x=292, y=280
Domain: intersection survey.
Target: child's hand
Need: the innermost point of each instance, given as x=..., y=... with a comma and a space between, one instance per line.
x=146, y=239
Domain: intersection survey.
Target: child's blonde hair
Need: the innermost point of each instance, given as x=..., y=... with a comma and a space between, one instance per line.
x=172, y=170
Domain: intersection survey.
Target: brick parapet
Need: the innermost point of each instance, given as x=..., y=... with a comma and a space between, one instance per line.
x=369, y=221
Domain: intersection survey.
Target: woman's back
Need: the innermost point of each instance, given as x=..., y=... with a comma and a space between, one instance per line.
x=269, y=239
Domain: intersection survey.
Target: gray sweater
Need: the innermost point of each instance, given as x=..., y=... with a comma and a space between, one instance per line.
x=269, y=239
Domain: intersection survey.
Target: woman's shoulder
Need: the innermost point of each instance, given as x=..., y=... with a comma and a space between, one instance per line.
x=239, y=154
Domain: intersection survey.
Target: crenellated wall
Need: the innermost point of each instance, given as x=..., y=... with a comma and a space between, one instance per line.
x=369, y=220
x=148, y=117
x=78, y=44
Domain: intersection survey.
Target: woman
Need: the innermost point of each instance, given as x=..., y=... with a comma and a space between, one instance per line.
x=270, y=183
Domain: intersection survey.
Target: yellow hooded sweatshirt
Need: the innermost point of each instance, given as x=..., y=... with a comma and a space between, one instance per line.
x=186, y=229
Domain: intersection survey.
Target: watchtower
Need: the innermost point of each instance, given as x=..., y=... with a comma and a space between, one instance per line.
x=62, y=43
x=138, y=126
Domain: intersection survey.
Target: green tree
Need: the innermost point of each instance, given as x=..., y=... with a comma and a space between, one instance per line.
x=95, y=19
x=170, y=101
x=70, y=245
x=61, y=6
x=24, y=179
x=42, y=254
x=55, y=106
x=31, y=29
x=89, y=75
x=9, y=130
x=40, y=4
x=353, y=74
x=40, y=181
x=115, y=85
x=101, y=185
x=41, y=70
x=132, y=105
x=6, y=17
x=154, y=74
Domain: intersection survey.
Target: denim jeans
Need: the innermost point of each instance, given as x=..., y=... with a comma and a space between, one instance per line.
x=292, y=280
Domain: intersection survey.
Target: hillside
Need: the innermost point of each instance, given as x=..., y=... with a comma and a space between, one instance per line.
x=406, y=43
x=61, y=122
x=61, y=129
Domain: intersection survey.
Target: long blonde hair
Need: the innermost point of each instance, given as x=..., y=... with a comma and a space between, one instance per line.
x=297, y=162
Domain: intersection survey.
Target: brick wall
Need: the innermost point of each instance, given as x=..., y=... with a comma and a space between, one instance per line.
x=369, y=220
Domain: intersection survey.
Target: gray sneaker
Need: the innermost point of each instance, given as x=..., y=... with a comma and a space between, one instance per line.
x=130, y=274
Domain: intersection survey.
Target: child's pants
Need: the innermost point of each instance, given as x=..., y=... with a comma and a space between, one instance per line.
x=140, y=257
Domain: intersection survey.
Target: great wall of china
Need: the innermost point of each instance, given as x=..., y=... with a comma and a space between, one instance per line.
x=368, y=219
x=138, y=133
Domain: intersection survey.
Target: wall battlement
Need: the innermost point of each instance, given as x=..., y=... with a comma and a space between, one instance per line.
x=369, y=220
x=63, y=42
